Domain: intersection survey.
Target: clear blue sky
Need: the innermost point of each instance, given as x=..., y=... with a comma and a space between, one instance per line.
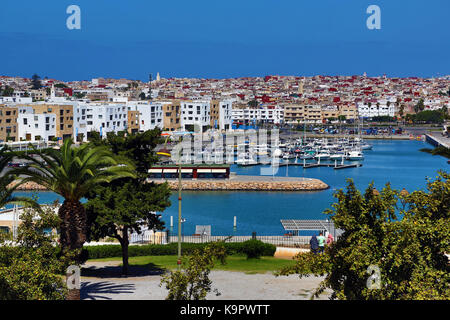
x=222, y=39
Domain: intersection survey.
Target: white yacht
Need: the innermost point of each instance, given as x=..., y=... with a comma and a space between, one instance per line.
x=246, y=160
x=355, y=155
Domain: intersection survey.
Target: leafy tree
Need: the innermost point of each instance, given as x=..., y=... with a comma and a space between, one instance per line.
x=193, y=283
x=404, y=235
x=32, y=269
x=72, y=172
x=79, y=95
x=7, y=92
x=36, y=82
x=9, y=183
x=142, y=96
x=419, y=106
x=127, y=205
x=253, y=103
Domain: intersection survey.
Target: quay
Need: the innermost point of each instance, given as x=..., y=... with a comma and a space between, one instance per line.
x=437, y=140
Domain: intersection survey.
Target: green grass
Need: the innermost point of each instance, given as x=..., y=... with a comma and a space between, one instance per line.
x=233, y=263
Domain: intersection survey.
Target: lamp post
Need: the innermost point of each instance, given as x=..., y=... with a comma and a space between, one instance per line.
x=166, y=153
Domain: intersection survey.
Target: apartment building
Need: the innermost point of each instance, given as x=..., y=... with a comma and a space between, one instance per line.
x=106, y=117
x=313, y=114
x=350, y=112
x=252, y=115
x=294, y=113
x=330, y=112
x=171, y=114
x=195, y=112
x=8, y=123
x=133, y=121
x=369, y=110
x=65, y=126
x=36, y=127
x=149, y=115
x=221, y=114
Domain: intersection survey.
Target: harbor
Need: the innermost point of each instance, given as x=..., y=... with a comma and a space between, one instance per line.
x=398, y=161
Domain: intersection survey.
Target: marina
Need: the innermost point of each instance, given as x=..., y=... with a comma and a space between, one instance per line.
x=396, y=161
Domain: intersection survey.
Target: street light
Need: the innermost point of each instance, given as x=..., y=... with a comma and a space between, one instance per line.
x=166, y=153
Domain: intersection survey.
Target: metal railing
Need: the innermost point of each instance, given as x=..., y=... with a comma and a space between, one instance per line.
x=165, y=238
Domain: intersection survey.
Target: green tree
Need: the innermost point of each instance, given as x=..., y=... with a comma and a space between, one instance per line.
x=9, y=183
x=193, y=283
x=32, y=269
x=253, y=103
x=72, y=172
x=7, y=92
x=36, y=82
x=127, y=205
x=404, y=235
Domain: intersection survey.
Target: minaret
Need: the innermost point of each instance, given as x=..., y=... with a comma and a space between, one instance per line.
x=52, y=92
x=158, y=77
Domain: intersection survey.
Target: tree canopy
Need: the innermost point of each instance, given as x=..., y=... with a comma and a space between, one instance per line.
x=128, y=205
x=403, y=236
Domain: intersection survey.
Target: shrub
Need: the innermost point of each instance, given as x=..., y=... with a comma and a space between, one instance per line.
x=254, y=249
x=113, y=250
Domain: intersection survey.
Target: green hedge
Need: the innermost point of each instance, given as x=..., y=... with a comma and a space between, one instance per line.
x=115, y=250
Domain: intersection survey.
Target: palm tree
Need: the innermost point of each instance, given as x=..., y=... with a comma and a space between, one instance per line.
x=7, y=185
x=72, y=172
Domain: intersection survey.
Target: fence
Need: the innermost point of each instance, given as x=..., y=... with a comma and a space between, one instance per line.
x=165, y=238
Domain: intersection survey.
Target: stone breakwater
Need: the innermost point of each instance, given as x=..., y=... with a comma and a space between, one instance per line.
x=229, y=185
x=224, y=185
x=28, y=186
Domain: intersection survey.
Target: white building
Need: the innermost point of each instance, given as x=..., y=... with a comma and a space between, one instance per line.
x=376, y=110
x=195, y=113
x=225, y=114
x=105, y=118
x=150, y=114
x=36, y=127
x=265, y=114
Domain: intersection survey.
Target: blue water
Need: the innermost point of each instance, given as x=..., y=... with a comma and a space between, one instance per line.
x=398, y=162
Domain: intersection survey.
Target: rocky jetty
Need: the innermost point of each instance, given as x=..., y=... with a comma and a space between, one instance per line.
x=244, y=184
x=230, y=185
x=28, y=186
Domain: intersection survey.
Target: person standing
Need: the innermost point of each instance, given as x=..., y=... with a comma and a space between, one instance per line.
x=330, y=239
x=314, y=244
x=321, y=239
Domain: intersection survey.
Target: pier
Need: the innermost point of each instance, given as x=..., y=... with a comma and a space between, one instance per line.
x=318, y=165
x=438, y=141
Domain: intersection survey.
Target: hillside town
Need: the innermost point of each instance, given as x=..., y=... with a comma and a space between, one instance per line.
x=35, y=109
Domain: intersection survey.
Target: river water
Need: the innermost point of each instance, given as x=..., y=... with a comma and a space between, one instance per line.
x=398, y=162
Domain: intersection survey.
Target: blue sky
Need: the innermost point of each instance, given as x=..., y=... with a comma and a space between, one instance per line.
x=223, y=39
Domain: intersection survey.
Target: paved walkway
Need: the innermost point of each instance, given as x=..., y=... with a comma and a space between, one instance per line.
x=105, y=283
